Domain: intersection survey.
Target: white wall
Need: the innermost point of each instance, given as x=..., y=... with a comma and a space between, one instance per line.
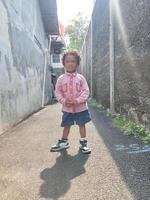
x=21, y=60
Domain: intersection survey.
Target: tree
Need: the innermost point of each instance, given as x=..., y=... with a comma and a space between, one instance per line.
x=77, y=31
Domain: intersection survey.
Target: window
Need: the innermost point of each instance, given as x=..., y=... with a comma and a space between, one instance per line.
x=56, y=58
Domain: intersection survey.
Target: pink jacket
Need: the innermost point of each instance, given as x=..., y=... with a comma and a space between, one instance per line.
x=73, y=87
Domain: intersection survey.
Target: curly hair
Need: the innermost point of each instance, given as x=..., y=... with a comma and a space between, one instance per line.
x=74, y=53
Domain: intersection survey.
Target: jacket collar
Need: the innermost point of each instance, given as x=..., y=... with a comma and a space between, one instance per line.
x=71, y=74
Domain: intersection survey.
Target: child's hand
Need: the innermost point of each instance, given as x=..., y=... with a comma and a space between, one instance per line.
x=69, y=103
x=75, y=102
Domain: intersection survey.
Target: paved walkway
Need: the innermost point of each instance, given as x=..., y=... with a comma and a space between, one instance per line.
x=117, y=169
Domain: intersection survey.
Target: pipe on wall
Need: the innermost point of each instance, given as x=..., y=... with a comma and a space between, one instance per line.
x=111, y=56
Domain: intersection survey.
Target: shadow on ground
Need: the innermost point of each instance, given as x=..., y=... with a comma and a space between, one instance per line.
x=57, y=180
x=130, y=154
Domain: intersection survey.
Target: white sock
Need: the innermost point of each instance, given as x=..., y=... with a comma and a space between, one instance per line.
x=82, y=139
x=64, y=139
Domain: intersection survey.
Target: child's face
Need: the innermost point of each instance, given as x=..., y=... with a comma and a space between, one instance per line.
x=70, y=63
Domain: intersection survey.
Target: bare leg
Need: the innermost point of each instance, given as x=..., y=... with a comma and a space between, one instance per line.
x=66, y=131
x=82, y=130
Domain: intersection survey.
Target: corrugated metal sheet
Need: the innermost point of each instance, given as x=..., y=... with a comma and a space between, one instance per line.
x=49, y=15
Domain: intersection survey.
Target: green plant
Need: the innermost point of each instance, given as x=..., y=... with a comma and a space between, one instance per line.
x=127, y=126
x=76, y=31
x=132, y=128
x=92, y=102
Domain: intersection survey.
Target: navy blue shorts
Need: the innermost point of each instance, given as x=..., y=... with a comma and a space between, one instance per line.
x=79, y=118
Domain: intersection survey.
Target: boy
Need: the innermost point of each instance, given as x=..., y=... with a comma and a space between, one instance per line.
x=72, y=92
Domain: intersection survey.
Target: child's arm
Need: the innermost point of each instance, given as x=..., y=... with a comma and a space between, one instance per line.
x=59, y=95
x=84, y=94
x=58, y=92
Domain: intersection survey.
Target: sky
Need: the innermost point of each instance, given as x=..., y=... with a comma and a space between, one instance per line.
x=68, y=9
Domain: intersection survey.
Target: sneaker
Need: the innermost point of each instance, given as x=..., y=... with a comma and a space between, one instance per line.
x=61, y=144
x=84, y=148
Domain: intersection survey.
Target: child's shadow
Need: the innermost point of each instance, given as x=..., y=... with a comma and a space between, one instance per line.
x=57, y=179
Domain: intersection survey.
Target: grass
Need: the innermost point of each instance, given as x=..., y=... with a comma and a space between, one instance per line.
x=132, y=128
x=127, y=126
x=93, y=103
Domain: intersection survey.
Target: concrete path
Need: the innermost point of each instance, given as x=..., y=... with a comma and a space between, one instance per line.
x=117, y=169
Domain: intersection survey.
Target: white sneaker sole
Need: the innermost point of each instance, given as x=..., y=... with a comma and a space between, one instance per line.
x=85, y=152
x=60, y=149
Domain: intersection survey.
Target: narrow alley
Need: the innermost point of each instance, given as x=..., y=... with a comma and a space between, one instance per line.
x=117, y=168
x=89, y=55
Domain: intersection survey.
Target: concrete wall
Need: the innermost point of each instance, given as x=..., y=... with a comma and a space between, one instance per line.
x=22, y=41
x=86, y=57
x=132, y=60
x=100, y=52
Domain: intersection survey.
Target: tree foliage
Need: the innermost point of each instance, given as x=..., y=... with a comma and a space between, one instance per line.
x=77, y=31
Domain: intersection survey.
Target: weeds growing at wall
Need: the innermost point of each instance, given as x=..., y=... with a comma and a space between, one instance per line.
x=132, y=128
x=93, y=103
x=127, y=126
